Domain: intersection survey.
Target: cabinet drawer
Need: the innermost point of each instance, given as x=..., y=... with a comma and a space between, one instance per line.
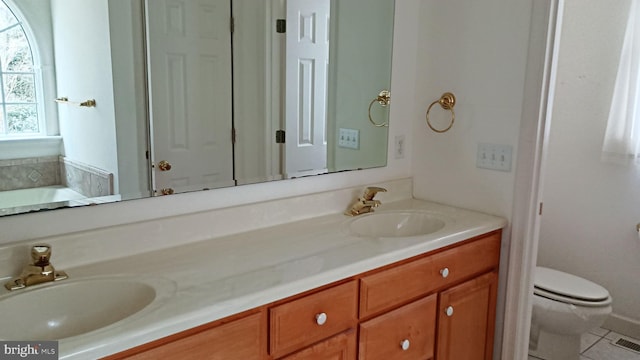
x=239, y=339
x=339, y=347
x=384, y=290
x=302, y=322
x=405, y=333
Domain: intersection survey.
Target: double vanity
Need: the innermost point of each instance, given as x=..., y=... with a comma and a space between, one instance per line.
x=409, y=281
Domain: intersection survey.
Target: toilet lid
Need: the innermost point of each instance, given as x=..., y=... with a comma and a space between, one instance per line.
x=568, y=286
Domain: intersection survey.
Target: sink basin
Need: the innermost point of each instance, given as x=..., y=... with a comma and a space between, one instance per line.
x=396, y=224
x=68, y=308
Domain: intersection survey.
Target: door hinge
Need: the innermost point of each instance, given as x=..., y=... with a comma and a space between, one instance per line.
x=232, y=24
x=281, y=26
x=233, y=135
x=280, y=136
x=540, y=209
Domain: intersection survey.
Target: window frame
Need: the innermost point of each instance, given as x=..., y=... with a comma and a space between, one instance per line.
x=44, y=128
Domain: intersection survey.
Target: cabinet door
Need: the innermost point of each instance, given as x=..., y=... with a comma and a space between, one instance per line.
x=242, y=339
x=339, y=347
x=407, y=333
x=467, y=319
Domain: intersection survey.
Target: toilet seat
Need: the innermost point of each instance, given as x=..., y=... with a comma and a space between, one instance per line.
x=559, y=286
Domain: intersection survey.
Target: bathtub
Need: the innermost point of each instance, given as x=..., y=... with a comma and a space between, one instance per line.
x=47, y=197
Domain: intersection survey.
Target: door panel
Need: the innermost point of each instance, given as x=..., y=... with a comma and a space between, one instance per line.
x=189, y=76
x=467, y=320
x=307, y=61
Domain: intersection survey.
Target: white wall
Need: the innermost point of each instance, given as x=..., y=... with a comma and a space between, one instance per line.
x=83, y=71
x=590, y=208
x=478, y=51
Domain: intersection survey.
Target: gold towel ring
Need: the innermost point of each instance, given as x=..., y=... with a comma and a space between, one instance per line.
x=447, y=101
x=383, y=98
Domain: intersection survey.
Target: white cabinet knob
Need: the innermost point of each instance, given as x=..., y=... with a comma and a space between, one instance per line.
x=321, y=318
x=405, y=344
x=449, y=311
x=444, y=272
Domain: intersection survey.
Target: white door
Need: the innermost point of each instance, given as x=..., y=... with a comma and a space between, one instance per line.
x=190, y=93
x=307, y=61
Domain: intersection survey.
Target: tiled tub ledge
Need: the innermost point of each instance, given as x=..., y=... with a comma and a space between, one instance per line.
x=215, y=278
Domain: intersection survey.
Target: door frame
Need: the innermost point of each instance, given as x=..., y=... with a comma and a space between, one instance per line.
x=533, y=145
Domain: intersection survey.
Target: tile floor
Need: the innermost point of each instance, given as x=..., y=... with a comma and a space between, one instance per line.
x=597, y=345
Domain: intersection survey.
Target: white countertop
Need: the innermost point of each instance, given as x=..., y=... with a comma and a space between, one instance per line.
x=209, y=280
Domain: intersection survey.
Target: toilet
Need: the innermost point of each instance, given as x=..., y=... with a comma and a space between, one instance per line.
x=565, y=306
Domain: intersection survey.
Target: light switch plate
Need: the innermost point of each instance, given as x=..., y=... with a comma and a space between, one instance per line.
x=494, y=157
x=399, y=146
x=349, y=138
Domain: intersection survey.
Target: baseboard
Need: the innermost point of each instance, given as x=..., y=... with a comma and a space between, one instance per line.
x=623, y=325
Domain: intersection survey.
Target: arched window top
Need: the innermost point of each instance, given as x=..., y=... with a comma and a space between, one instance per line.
x=18, y=100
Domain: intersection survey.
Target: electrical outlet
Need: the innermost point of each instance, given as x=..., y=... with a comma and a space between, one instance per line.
x=494, y=157
x=349, y=138
x=399, y=146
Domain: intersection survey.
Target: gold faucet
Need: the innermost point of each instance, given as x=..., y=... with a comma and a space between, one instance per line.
x=366, y=203
x=38, y=271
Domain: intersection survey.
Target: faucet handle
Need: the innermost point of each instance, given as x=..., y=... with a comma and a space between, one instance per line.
x=40, y=254
x=371, y=191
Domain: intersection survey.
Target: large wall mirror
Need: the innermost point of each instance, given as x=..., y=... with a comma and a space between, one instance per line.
x=107, y=101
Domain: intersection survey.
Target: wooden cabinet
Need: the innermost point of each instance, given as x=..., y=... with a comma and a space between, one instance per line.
x=462, y=280
x=243, y=338
x=339, y=347
x=466, y=319
x=404, y=333
x=396, y=285
x=439, y=305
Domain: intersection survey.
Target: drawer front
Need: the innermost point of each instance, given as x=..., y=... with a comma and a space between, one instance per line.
x=465, y=261
x=405, y=333
x=239, y=339
x=339, y=347
x=302, y=322
x=394, y=286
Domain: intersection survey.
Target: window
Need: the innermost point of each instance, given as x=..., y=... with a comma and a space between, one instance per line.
x=622, y=138
x=18, y=98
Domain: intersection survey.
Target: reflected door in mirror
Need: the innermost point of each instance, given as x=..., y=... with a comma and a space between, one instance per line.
x=191, y=105
x=307, y=65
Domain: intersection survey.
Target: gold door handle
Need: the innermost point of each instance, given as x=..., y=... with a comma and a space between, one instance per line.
x=166, y=191
x=164, y=165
